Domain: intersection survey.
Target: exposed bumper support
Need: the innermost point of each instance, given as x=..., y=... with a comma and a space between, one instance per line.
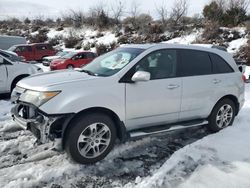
x=39, y=124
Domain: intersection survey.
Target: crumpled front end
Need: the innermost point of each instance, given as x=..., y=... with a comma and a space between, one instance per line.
x=45, y=127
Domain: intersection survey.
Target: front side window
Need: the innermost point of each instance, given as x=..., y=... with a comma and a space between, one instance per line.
x=194, y=63
x=160, y=64
x=112, y=62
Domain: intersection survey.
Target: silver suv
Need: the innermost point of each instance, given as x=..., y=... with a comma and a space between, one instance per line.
x=133, y=91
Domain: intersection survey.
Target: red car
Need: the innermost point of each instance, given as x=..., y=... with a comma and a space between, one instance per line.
x=33, y=52
x=72, y=60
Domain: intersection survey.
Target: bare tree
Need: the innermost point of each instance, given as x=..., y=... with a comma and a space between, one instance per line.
x=179, y=10
x=118, y=10
x=134, y=9
x=77, y=17
x=162, y=12
x=241, y=4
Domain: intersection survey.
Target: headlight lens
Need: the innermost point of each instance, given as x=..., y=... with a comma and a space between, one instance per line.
x=38, y=98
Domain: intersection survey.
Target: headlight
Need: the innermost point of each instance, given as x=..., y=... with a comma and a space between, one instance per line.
x=38, y=98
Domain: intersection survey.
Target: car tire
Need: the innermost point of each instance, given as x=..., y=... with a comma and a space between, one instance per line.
x=90, y=138
x=70, y=67
x=222, y=115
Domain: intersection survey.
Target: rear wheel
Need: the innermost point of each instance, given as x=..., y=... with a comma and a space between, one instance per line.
x=222, y=115
x=90, y=138
x=70, y=67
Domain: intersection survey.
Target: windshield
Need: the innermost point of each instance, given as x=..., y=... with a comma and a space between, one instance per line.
x=12, y=48
x=62, y=53
x=112, y=62
x=69, y=55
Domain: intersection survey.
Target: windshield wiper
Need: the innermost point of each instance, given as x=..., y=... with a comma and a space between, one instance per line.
x=88, y=72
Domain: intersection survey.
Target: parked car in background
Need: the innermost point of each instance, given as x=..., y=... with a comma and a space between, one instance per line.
x=13, y=71
x=72, y=60
x=133, y=91
x=47, y=60
x=34, y=52
x=11, y=55
x=7, y=41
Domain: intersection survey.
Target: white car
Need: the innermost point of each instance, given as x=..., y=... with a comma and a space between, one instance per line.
x=13, y=71
x=133, y=91
x=48, y=59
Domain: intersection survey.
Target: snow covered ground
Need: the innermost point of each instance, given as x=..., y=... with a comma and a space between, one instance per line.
x=190, y=158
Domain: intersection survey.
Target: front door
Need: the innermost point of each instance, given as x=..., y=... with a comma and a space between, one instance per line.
x=158, y=100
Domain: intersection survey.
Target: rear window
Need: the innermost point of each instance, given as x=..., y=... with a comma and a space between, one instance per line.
x=194, y=63
x=220, y=66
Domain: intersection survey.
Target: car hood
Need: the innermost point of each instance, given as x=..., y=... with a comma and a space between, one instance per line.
x=42, y=82
x=51, y=57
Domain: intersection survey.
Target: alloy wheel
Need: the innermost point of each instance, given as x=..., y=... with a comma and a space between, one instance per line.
x=94, y=140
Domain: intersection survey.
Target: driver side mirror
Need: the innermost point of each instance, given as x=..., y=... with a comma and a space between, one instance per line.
x=141, y=76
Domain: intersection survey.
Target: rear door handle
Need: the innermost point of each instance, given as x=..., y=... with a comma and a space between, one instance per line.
x=216, y=81
x=173, y=86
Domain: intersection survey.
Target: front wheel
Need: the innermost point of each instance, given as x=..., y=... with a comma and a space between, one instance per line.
x=222, y=115
x=90, y=138
x=70, y=67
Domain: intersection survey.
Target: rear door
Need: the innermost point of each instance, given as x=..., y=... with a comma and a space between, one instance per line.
x=41, y=51
x=198, y=84
x=3, y=75
x=158, y=100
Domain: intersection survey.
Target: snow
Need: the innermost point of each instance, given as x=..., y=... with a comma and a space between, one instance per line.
x=186, y=39
x=235, y=45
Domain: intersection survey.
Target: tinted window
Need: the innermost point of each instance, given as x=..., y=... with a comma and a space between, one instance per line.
x=220, y=65
x=195, y=62
x=160, y=64
x=90, y=55
x=41, y=47
x=80, y=56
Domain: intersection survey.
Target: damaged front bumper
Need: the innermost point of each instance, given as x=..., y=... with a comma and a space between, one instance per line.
x=45, y=127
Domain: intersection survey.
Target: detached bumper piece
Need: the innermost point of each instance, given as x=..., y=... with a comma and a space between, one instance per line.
x=30, y=118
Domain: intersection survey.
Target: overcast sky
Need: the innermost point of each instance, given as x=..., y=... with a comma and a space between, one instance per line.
x=52, y=8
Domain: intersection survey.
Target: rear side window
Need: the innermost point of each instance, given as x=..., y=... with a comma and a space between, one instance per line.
x=90, y=55
x=41, y=47
x=194, y=63
x=220, y=65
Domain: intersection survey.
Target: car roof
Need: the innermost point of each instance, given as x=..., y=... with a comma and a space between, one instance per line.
x=168, y=45
x=32, y=44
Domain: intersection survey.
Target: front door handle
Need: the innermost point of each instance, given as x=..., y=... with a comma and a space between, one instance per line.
x=173, y=86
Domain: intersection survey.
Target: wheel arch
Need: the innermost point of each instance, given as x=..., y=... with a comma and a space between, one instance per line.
x=232, y=98
x=120, y=127
x=16, y=79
